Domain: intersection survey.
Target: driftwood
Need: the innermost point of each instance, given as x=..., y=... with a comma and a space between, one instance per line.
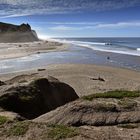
x=41, y=69
x=99, y=79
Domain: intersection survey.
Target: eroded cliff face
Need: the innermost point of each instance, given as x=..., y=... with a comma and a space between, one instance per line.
x=10, y=33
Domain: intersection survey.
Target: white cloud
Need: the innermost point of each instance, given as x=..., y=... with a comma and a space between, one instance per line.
x=119, y=25
x=15, y=15
x=96, y=26
x=68, y=23
x=25, y=7
x=64, y=28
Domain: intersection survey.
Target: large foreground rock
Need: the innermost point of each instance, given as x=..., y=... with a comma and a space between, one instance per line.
x=93, y=113
x=36, y=98
x=10, y=33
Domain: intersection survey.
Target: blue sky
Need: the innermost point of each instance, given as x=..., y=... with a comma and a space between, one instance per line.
x=75, y=18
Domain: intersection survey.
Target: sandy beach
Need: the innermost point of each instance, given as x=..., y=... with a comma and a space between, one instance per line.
x=15, y=50
x=83, y=77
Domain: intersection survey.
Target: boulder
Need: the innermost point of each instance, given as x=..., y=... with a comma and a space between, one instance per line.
x=36, y=98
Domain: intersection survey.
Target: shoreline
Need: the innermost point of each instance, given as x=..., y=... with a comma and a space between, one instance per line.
x=58, y=64
x=61, y=53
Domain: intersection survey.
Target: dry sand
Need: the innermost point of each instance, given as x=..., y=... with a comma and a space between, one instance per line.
x=14, y=50
x=81, y=77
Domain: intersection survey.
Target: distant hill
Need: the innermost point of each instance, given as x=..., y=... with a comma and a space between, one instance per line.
x=10, y=33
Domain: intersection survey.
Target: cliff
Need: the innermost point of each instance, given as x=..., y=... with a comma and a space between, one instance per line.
x=10, y=33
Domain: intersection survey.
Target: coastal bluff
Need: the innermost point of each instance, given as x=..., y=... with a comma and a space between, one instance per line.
x=10, y=33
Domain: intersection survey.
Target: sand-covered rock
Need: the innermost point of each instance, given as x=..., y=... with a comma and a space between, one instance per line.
x=11, y=116
x=10, y=33
x=37, y=97
x=99, y=112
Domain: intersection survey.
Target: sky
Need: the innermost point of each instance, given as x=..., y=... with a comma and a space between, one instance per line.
x=75, y=18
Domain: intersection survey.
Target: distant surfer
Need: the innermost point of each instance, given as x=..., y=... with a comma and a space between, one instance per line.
x=108, y=43
x=108, y=58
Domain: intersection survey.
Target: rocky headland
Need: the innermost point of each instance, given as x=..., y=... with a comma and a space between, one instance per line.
x=10, y=33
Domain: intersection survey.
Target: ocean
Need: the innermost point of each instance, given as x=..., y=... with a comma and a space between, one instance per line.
x=130, y=46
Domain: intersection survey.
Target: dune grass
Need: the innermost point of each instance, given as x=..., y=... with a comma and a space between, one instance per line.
x=58, y=132
x=128, y=126
x=18, y=129
x=113, y=94
x=127, y=103
x=3, y=120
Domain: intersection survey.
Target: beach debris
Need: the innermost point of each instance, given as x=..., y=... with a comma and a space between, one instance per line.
x=99, y=79
x=41, y=69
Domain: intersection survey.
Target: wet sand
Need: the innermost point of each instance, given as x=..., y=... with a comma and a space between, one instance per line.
x=58, y=53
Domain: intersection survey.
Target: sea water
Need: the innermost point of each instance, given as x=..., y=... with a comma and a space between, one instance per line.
x=130, y=46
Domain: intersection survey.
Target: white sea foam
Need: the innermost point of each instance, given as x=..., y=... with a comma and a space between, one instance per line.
x=4, y=66
x=105, y=48
x=138, y=49
x=102, y=46
x=29, y=58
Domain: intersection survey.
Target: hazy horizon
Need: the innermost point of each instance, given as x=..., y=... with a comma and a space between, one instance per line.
x=78, y=18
